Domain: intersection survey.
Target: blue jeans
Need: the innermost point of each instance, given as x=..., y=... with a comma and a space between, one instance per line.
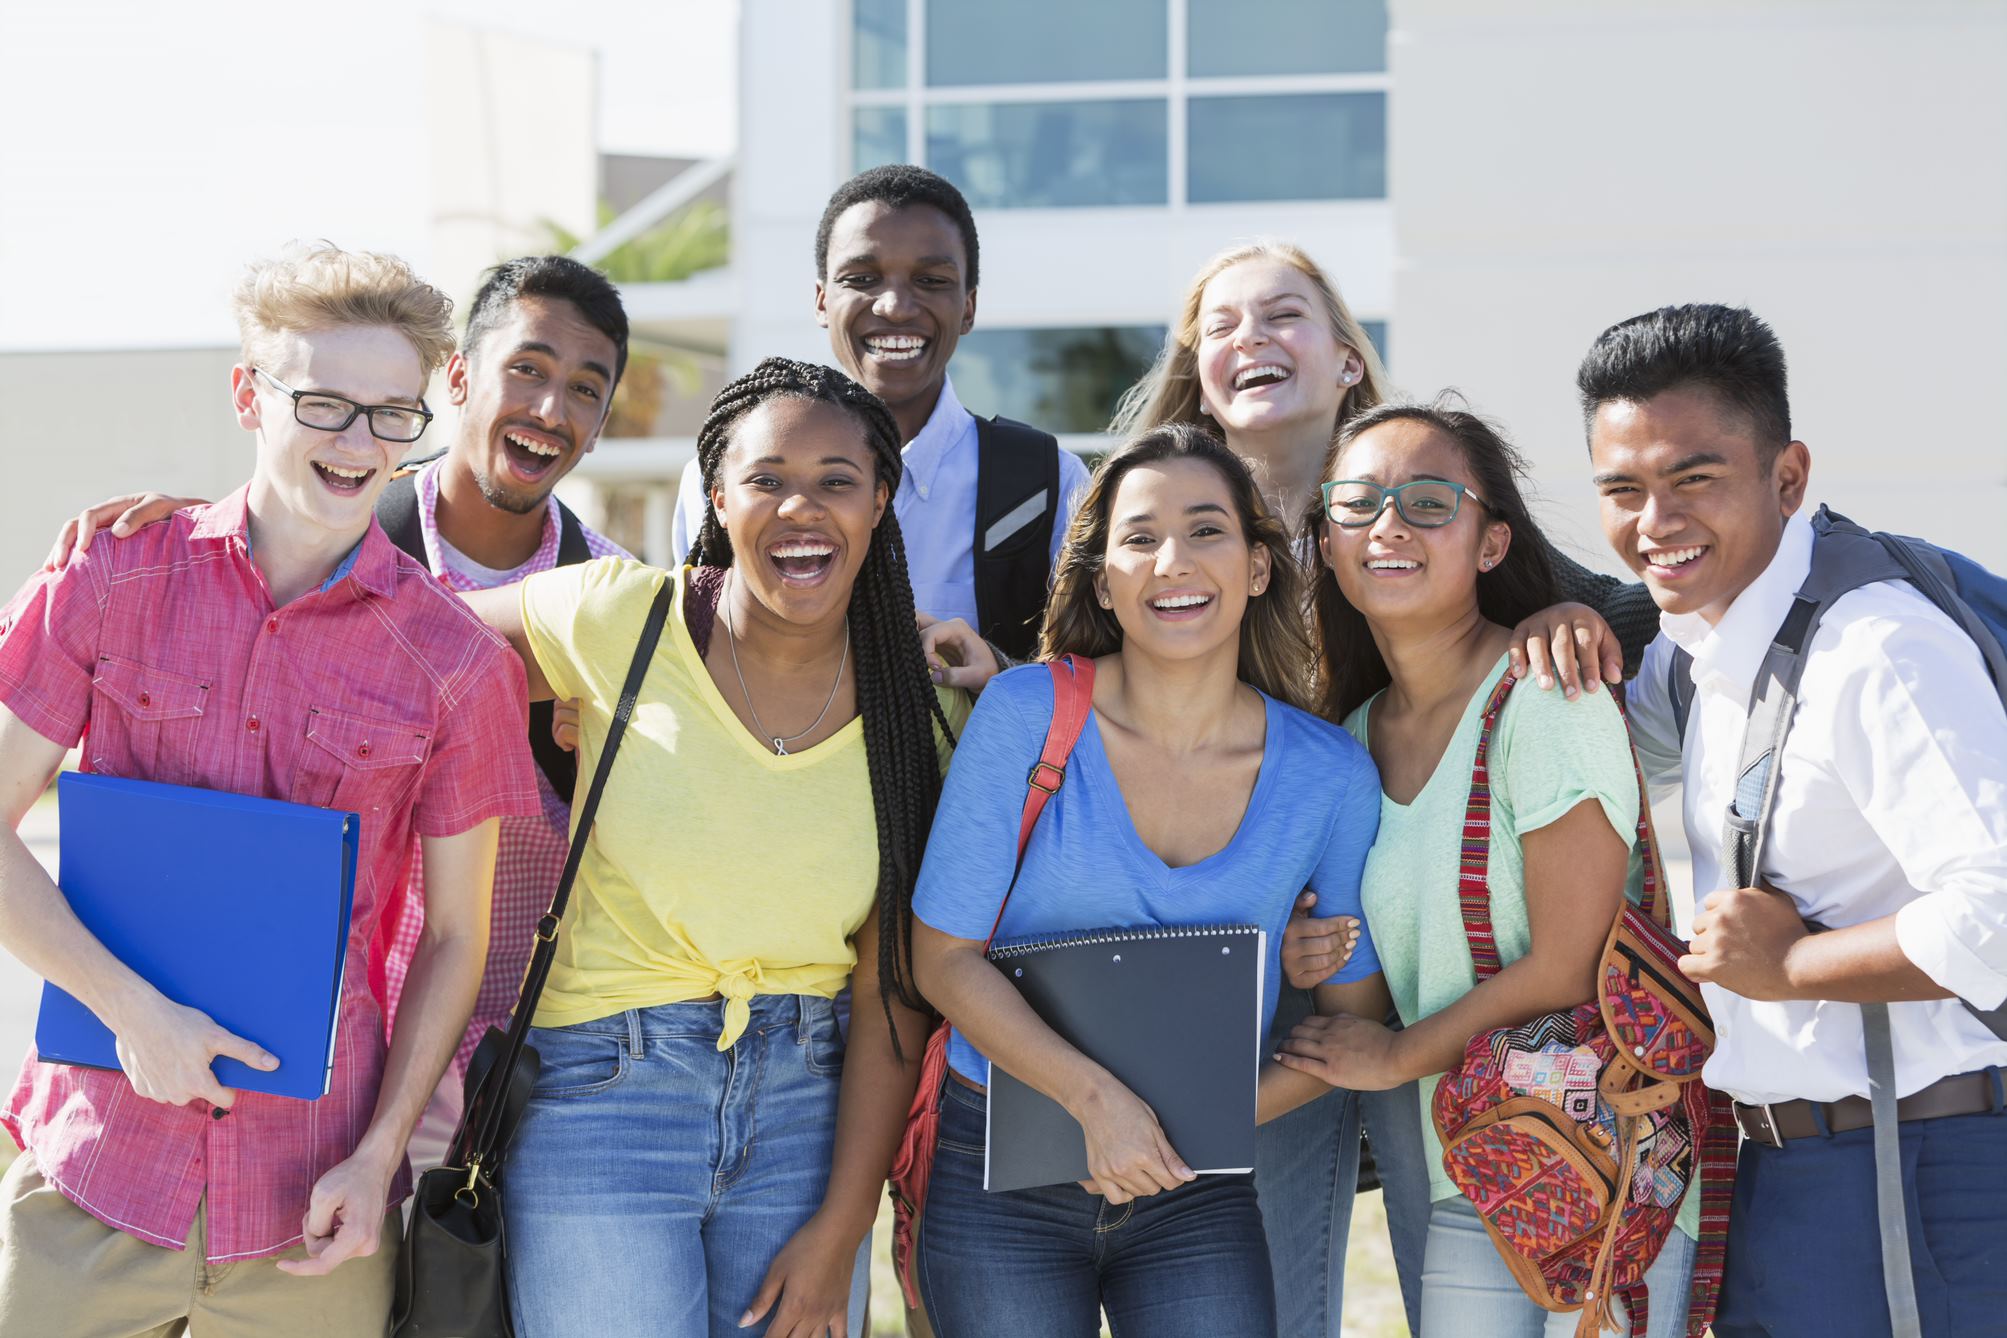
x=654, y=1177
x=1186, y=1263
x=1804, y=1244
x=1467, y=1288
x=1306, y=1167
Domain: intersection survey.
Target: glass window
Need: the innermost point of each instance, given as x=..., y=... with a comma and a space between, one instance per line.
x=1059, y=380
x=1377, y=332
x=1243, y=37
x=1046, y=41
x=1295, y=146
x=1041, y=154
x=878, y=136
x=878, y=43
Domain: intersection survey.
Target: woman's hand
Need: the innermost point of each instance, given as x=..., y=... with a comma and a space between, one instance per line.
x=956, y=656
x=1314, y=950
x=810, y=1281
x=1561, y=641
x=1128, y=1156
x=1346, y=1051
x=564, y=724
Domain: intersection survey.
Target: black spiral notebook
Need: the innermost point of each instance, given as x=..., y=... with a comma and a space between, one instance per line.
x=1174, y=1013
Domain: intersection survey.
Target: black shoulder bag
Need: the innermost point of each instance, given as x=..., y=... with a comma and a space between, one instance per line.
x=450, y=1271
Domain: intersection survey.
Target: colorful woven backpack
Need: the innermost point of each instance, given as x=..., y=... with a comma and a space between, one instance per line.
x=1577, y=1135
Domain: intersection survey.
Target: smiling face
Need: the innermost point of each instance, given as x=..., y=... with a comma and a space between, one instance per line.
x=305, y=476
x=1179, y=569
x=797, y=492
x=1267, y=355
x=1397, y=571
x=532, y=397
x=1691, y=500
x=895, y=298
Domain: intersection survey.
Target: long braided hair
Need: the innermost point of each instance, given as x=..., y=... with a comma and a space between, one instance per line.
x=895, y=695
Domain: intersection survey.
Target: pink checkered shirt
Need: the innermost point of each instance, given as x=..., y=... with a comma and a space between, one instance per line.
x=532, y=850
x=381, y=694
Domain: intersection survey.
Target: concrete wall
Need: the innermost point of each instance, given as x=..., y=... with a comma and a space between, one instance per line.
x=1840, y=167
x=82, y=426
x=510, y=129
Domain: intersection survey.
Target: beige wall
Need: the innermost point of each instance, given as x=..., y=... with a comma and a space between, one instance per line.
x=81, y=426
x=510, y=124
x=1841, y=167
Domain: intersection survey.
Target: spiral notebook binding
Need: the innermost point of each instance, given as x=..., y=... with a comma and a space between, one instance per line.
x=1093, y=937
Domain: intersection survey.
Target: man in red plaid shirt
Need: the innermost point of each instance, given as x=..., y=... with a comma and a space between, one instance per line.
x=277, y=644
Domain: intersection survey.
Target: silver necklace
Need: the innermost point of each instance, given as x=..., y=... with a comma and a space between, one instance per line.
x=732, y=643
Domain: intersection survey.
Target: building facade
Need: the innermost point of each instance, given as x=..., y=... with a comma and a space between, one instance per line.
x=1490, y=187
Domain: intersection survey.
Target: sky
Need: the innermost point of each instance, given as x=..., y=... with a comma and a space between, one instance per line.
x=137, y=174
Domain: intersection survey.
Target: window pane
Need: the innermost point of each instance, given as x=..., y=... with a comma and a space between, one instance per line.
x=878, y=44
x=1042, y=154
x=1059, y=380
x=1046, y=41
x=878, y=136
x=1377, y=332
x=1297, y=146
x=1236, y=37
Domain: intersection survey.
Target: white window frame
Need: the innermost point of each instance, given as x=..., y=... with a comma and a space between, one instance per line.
x=1175, y=91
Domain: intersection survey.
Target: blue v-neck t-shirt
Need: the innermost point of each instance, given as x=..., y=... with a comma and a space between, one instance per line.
x=1309, y=823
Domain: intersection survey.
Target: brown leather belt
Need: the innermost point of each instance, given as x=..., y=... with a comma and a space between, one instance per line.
x=1776, y=1124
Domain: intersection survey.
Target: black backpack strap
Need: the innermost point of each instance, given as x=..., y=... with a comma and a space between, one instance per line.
x=559, y=766
x=397, y=508
x=1017, y=504
x=1679, y=689
x=397, y=512
x=571, y=545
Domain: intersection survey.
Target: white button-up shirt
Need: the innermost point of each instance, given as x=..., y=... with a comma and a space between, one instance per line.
x=1891, y=800
x=936, y=506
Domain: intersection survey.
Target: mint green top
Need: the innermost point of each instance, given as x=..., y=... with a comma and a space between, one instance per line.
x=1548, y=755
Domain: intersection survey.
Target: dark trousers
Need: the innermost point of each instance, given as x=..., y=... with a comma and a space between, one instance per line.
x=1187, y=1263
x=1804, y=1248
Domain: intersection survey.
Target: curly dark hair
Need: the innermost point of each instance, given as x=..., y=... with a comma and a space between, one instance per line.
x=895, y=694
x=899, y=185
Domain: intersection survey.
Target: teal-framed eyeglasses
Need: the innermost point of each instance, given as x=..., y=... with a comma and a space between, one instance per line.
x=1354, y=504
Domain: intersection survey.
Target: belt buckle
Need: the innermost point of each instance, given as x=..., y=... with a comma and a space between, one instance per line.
x=1767, y=1132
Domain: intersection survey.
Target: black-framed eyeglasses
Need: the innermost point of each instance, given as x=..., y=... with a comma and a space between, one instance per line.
x=331, y=413
x=1427, y=503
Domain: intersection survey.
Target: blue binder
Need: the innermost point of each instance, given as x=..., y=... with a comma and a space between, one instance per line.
x=235, y=905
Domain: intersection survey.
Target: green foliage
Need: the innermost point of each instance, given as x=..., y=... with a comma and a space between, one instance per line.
x=695, y=238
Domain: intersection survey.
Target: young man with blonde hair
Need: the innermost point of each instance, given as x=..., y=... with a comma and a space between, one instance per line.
x=273, y=644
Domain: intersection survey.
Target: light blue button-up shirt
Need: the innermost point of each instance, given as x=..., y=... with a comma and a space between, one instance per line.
x=936, y=506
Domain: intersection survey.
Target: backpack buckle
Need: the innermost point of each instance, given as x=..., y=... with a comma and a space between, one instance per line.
x=1058, y=771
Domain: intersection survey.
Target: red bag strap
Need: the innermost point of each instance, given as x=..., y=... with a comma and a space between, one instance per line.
x=1473, y=881
x=1072, y=699
x=1474, y=864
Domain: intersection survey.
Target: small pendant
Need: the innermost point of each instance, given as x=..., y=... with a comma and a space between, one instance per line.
x=780, y=748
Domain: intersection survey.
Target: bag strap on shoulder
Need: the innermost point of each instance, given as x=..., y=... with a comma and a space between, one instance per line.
x=1474, y=863
x=1072, y=699
x=1017, y=504
x=397, y=507
x=545, y=951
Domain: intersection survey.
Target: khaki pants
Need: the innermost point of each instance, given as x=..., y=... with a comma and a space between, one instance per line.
x=64, y=1272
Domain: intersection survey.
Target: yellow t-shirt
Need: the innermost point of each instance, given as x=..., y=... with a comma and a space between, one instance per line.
x=715, y=866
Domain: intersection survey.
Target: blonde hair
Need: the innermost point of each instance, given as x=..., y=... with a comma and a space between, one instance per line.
x=320, y=286
x=1169, y=391
x=1275, y=652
